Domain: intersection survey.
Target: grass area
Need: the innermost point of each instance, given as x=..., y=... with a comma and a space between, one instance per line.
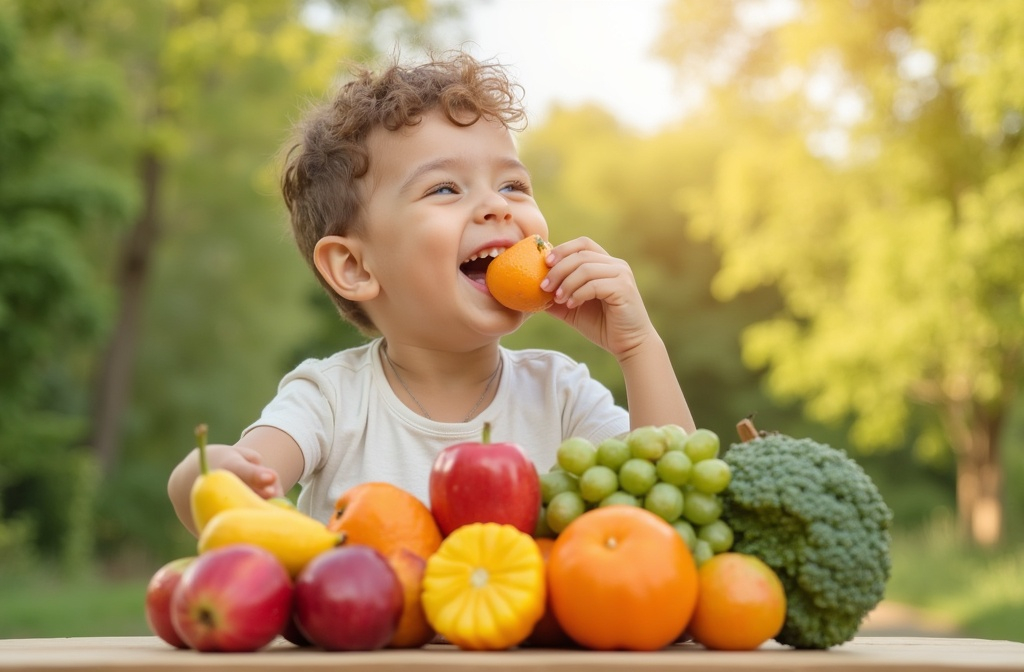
x=41, y=604
x=982, y=591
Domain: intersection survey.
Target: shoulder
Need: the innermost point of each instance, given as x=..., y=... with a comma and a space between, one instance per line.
x=548, y=368
x=354, y=359
x=342, y=369
x=540, y=359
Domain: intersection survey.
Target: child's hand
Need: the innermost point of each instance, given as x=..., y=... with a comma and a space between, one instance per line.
x=597, y=295
x=247, y=464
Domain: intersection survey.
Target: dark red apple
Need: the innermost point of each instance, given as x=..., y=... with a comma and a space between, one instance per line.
x=484, y=483
x=348, y=599
x=158, y=601
x=233, y=598
x=292, y=633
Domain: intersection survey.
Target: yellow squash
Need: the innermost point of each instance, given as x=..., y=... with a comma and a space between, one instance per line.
x=293, y=537
x=218, y=490
x=484, y=588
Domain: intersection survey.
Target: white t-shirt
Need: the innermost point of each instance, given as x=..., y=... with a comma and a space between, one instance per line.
x=352, y=428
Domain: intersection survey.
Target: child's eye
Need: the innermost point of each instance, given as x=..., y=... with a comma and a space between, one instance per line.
x=517, y=185
x=443, y=189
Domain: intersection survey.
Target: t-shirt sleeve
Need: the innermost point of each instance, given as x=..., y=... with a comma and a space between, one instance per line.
x=302, y=409
x=590, y=408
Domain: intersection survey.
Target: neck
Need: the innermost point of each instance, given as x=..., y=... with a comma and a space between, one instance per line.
x=443, y=386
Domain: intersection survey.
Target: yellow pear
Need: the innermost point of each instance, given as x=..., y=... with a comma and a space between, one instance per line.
x=293, y=537
x=218, y=490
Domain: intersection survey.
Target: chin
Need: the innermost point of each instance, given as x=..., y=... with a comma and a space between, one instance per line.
x=502, y=322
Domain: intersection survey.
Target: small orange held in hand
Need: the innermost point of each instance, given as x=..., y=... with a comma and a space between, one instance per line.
x=514, y=276
x=741, y=603
x=387, y=518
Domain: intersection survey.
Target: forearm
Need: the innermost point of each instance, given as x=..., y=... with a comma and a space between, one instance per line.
x=653, y=394
x=179, y=489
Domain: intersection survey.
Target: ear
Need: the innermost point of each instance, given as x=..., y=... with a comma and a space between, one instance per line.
x=340, y=261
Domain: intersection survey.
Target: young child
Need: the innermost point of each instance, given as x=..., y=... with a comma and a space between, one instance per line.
x=399, y=190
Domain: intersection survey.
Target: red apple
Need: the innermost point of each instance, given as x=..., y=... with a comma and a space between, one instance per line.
x=484, y=483
x=348, y=599
x=158, y=601
x=233, y=598
x=292, y=633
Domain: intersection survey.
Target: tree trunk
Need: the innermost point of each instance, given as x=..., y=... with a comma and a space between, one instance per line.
x=979, y=482
x=113, y=380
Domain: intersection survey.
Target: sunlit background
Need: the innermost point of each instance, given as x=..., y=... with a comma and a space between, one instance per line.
x=822, y=201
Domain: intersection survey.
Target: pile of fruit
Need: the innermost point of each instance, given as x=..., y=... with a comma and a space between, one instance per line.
x=676, y=476
x=621, y=546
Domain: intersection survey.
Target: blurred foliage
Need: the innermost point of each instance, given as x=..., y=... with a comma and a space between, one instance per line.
x=52, y=306
x=875, y=178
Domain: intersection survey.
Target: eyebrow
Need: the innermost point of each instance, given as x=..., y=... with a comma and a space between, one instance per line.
x=448, y=162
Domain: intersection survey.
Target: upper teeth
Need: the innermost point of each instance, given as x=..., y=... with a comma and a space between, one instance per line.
x=492, y=252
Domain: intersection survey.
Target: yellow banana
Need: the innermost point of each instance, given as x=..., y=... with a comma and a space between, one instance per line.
x=293, y=537
x=218, y=490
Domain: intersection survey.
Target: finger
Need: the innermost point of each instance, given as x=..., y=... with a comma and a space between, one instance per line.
x=603, y=281
x=607, y=290
x=572, y=247
x=569, y=264
x=263, y=480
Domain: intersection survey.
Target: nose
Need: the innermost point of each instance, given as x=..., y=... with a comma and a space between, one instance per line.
x=492, y=208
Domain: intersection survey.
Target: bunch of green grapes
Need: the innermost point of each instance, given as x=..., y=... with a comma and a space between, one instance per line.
x=662, y=469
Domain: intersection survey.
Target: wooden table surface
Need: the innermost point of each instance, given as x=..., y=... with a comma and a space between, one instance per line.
x=874, y=654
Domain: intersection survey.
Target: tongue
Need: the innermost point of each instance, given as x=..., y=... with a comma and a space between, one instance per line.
x=476, y=276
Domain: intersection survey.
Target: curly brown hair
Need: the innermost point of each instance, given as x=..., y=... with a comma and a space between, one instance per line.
x=329, y=157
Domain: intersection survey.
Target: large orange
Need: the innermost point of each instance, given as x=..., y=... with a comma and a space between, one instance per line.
x=387, y=518
x=514, y=276
x=741, y=605
x=622, y=578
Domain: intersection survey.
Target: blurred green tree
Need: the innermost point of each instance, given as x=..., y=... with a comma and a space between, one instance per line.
x=52, y=304
x=875, y=177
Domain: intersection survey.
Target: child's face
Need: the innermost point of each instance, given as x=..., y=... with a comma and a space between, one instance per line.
x=438, y=195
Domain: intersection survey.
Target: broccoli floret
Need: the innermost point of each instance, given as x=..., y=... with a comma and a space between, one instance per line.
x=814, y=516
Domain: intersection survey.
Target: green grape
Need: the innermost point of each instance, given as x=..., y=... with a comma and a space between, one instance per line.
x=620, y=497
x=686, y=531
x=675, y=437
x=646, y=443
x=563, y=509
x=576, y=455
x=701, y=508
x=637, y=476
x=542, y=530
x=702, y=552
x=711, y=476
x=597, y=483
x=718, y=534
x=665, y=501
x=701, y=445
x=674, y=467
x=555, y=482
x=612, y=453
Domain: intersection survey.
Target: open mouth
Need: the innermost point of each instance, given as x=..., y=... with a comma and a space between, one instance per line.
x=475, y=267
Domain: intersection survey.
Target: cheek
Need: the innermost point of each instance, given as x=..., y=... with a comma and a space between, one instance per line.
x=534, y=223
